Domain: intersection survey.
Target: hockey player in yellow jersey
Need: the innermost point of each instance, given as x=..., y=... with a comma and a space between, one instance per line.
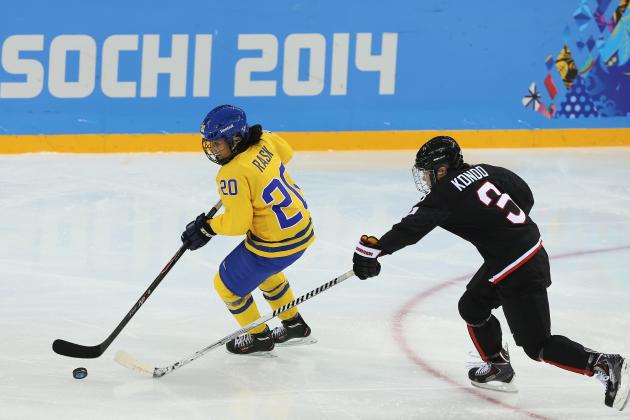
x=262, y=202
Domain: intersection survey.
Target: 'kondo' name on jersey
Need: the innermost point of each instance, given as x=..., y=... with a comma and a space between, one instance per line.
x=466, y=178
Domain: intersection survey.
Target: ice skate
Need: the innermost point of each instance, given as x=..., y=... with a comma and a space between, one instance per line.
x=496, y=374
x=614, y=372
x=260, y=344
x=292, y=332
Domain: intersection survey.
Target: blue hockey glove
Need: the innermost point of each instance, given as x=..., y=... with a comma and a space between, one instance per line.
x=197, y=233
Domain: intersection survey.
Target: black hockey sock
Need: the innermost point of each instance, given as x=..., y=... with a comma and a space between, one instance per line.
x=487, y=338
x=566, y=354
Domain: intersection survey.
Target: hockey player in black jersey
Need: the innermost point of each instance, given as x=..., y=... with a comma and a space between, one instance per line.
x=489, y=207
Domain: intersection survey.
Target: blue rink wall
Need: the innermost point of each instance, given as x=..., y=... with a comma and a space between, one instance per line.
x=545, y=70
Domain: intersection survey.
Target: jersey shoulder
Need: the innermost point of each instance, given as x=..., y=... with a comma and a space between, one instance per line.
x=271, y=137
x=494, y=170
x=278, y=145
x=501, y=174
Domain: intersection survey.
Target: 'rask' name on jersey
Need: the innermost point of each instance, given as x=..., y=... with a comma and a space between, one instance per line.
x=262, y=158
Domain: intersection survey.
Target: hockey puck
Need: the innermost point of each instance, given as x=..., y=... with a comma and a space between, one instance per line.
x=79, y=373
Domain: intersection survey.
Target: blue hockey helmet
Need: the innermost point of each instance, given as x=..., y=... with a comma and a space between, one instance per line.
x=225, y=122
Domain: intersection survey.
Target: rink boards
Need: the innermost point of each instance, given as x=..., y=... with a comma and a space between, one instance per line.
x=368, y=140
x=328, y=75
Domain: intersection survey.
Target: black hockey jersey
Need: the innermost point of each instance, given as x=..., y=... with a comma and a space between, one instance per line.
x=486, y=205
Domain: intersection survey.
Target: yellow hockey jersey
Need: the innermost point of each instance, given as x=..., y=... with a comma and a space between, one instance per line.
x=261, y=200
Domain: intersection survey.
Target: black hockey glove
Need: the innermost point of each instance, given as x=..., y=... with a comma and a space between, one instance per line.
x=197, y=233
x=364, y=262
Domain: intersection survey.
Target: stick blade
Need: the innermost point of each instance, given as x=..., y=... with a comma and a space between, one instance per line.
x=66, y=348
x=127, y=360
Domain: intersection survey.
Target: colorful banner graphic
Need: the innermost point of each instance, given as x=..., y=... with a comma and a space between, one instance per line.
x=593, y=65
x=69, y=67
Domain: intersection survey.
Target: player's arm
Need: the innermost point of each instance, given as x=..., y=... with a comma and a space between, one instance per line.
x=235, y=220
x=418, y=223
x=284, y=149
x=413, y=227
x=236, y=197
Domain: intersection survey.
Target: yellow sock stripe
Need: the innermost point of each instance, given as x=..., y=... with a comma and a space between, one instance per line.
x=351, y=140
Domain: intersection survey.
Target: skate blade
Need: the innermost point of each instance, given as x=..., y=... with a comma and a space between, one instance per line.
x=621, y=400
x=257, y=354
x=304, y=341
x=508, y=387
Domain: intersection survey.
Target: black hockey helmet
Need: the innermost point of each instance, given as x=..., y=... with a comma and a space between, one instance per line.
x=436, y=152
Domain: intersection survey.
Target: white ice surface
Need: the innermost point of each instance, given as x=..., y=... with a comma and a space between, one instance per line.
x=82, y=236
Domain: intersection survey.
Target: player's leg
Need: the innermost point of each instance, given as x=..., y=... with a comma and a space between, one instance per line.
x=245, y=311
x=277, y=292
x=526, y=308
x=243, y=308
x=293, y=329
x=528, y=318
x=475, y=307
x=527, y=313
x=239, y=274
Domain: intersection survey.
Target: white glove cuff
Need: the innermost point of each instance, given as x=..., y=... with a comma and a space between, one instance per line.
x=367, y=251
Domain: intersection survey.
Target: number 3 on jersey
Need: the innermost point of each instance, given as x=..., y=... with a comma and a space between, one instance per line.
x=283, y=187
x=503, y=199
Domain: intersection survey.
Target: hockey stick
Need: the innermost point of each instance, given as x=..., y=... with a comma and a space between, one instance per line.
x=128, y=361
x=66, y=348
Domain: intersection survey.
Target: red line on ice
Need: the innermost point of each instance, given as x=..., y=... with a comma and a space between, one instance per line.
x=399, y=336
